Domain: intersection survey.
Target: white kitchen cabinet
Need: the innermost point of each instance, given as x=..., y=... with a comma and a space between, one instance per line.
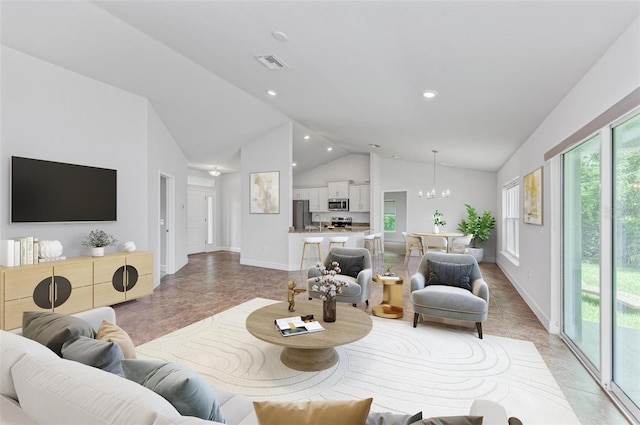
x=301, y=193
x=338, y=189
x=318, y=199
x=359, y=198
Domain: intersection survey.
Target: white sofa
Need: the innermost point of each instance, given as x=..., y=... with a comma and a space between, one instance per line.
x=38, y=387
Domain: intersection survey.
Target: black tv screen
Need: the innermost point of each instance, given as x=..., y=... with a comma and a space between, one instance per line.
x=47, y=191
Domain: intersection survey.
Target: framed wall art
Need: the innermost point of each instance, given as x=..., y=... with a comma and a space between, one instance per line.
x=532, y=207
x=265, y=192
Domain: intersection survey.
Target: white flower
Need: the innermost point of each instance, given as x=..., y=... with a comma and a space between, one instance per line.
x=327, y=284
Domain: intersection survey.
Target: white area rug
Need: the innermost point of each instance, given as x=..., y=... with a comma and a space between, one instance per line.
x=438, y=371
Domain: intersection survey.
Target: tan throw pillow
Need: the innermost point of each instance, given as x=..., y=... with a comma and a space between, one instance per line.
x=343, y=412
x=111, y=332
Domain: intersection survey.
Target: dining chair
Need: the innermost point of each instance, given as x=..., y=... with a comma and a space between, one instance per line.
x=434, y=243
x=459, y=245
x=411, y=243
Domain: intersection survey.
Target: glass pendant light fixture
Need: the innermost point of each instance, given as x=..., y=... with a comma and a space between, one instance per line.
x=432, y=194
x=215, y=172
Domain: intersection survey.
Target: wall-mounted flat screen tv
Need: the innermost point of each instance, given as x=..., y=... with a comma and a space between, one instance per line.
x=48, y=192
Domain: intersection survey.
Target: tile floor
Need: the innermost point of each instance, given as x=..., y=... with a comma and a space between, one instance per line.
x=213, y=282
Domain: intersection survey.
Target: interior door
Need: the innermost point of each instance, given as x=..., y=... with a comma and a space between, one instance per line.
x=196, y=222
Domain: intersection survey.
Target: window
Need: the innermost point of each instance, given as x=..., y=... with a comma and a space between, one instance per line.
x=390, y=216
x=511, y=218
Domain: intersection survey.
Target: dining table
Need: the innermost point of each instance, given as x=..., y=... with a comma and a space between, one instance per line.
x=448, y=235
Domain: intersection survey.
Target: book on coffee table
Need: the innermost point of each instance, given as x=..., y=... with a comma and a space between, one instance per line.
x=388, y=277
x=298, y=325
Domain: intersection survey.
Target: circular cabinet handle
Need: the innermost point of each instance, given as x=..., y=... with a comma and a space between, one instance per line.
x=132, y=277
x=42, y=294
x=118, y=279
x=125, y=278
x=62, y=290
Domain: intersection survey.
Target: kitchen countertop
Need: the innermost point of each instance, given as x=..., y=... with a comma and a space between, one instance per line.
x=335, y=230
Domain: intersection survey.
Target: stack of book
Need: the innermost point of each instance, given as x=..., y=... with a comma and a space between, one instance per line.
x=298, y=325
x=19, y=251
x=388, y=276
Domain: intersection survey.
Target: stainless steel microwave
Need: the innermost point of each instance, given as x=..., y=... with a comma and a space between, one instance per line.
x=338, y=205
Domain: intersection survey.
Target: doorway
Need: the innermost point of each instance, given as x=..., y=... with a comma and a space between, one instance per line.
x=166, y=214
x=395, y=221
x=201, y=221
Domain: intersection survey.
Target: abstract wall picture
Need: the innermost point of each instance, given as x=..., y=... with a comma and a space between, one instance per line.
x=532, y=207
x=265, y=192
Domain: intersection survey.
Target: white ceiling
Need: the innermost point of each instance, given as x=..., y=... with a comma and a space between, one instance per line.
x=357, y=69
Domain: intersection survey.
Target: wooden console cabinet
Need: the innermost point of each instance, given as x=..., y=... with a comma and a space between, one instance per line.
x=124, y=277
x=73, y=285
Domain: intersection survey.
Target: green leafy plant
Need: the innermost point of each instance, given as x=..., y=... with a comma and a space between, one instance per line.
x=438, y=219
x=98, y=239
x=477, y=225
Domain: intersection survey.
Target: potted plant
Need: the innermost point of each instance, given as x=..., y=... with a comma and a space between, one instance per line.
x=479, y=226
x=97, y=240
x=438, y=220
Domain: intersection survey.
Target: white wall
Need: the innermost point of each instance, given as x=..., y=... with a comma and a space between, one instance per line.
x=229, y=209
x=54, y=114
x=353, y=167
x=614, y=76
x=265, y=237
x=477, y=188
x=164, y=156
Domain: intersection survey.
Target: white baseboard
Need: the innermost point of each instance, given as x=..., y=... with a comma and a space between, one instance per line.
x=544, y=320
x=265, y=264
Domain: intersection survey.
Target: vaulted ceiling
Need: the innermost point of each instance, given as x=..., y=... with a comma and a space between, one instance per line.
x=356, y=70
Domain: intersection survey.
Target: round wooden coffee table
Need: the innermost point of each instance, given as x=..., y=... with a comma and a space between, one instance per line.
x=312, y=351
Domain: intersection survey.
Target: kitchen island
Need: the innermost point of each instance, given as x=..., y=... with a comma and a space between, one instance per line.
x=356, y=236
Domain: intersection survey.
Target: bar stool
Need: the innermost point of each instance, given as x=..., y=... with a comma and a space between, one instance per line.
x=373, y=243
x=338, y=241
x=311, y=242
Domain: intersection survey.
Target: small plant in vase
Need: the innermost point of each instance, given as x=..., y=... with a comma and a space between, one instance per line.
x=329, y=287
x=97, y=240
x=438, y=220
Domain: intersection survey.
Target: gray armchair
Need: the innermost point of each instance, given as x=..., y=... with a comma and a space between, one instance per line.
x=359, y=288
x=450, y=302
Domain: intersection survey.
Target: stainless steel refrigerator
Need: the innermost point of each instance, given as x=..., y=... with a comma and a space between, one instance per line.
x=301, y=214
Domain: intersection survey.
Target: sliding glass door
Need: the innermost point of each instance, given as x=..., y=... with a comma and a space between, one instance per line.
x=626, y=258
x=601, y=256
x=581, y=259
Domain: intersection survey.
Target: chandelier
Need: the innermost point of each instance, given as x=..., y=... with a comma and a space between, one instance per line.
x=432, y=194
x=215, y=172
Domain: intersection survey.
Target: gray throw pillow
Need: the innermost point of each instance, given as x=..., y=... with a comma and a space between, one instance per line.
x=181, y=386
x=452, y=420
x=350, y=265
x=387, y=418
x=92, y=352
x=53, y=329
x=451, y=274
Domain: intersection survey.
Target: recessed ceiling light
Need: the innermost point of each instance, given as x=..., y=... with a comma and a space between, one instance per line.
x=271, y=92
x=294, y=164
x=307, y=137
x=429, y=93
x=373, y=145
x=329, y=149
x=395, y=157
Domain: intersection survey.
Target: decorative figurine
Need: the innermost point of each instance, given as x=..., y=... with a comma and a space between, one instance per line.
x=292, y=292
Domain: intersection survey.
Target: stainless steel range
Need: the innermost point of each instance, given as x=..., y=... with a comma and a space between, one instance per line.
x=341, y=221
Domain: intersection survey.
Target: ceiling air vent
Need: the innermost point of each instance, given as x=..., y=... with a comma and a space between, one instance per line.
x=271, y=62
